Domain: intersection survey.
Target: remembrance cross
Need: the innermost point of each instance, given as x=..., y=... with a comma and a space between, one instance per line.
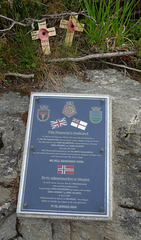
x=72, y=25
x=43, y=34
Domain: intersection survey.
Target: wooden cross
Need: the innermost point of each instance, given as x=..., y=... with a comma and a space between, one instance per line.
x=72, y=25
x=43, y=34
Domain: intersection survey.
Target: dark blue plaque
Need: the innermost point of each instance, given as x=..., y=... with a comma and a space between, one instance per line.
x=66, y=165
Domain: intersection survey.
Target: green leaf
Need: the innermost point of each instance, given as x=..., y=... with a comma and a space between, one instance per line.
x=33, y=65
x=27, y=66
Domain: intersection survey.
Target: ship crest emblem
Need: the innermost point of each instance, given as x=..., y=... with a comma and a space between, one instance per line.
x=69, y=109
x=43, y=113
x=95, y=115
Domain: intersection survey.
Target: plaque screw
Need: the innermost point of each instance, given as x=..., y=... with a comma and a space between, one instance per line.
x=37, y=98
x=101, y=208
x=32, y=147
x=25, y=204
x=102, y=100
x=101, y=149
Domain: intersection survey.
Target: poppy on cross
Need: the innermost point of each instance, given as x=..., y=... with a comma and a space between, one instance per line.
x=72, y=25
x=43, y=34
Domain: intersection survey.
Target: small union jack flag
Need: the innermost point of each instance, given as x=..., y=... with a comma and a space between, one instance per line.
x=79, y=124
x=65, y=169
x=58, y=123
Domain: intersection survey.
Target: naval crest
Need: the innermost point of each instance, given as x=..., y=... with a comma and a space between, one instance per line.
x=43, y=113
x=69, y=109
x=95, y=115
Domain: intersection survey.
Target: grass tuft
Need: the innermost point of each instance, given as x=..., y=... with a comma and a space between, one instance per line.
x=113, y=24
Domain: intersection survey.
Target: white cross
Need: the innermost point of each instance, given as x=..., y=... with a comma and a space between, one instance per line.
x=72, y=25
x=43, y=31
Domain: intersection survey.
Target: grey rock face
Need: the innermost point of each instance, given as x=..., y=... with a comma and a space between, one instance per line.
x=8, y=228
x=4, y=195
x=61, y=230
x=13, y=103
x=37, y=229
x=12, y=130
x=126, y=115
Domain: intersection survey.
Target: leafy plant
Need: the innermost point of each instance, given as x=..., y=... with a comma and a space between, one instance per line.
x=18, y=52
x=110, y=26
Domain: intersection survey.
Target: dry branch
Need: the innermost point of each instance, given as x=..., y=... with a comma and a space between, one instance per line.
x=98, y=55
x=64, y=14
x=19, y=75
x=122, y=66
x=31, y=21
x=13, y=23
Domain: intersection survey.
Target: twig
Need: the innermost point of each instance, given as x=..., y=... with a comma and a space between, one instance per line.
x=122, y=66
x=98, y=55
x=19, y=75
x=89, y=17
x=64, y=14
x=13, y=23
x=60, y=15
x=33, y=27
x=31, y=21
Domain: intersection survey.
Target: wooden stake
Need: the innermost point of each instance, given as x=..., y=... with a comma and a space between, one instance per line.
x=45, y=43
x=72, y=25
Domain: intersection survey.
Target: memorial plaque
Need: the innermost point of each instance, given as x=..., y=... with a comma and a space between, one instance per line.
x=66, y=171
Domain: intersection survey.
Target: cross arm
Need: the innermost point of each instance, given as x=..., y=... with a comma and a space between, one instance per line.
x=51, y=31
x=79, y=27
x=64, y=24
x=42, y=25
x=35, y=35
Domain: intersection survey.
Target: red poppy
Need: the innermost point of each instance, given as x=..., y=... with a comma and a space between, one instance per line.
x=43, y=34
x=71, y=26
